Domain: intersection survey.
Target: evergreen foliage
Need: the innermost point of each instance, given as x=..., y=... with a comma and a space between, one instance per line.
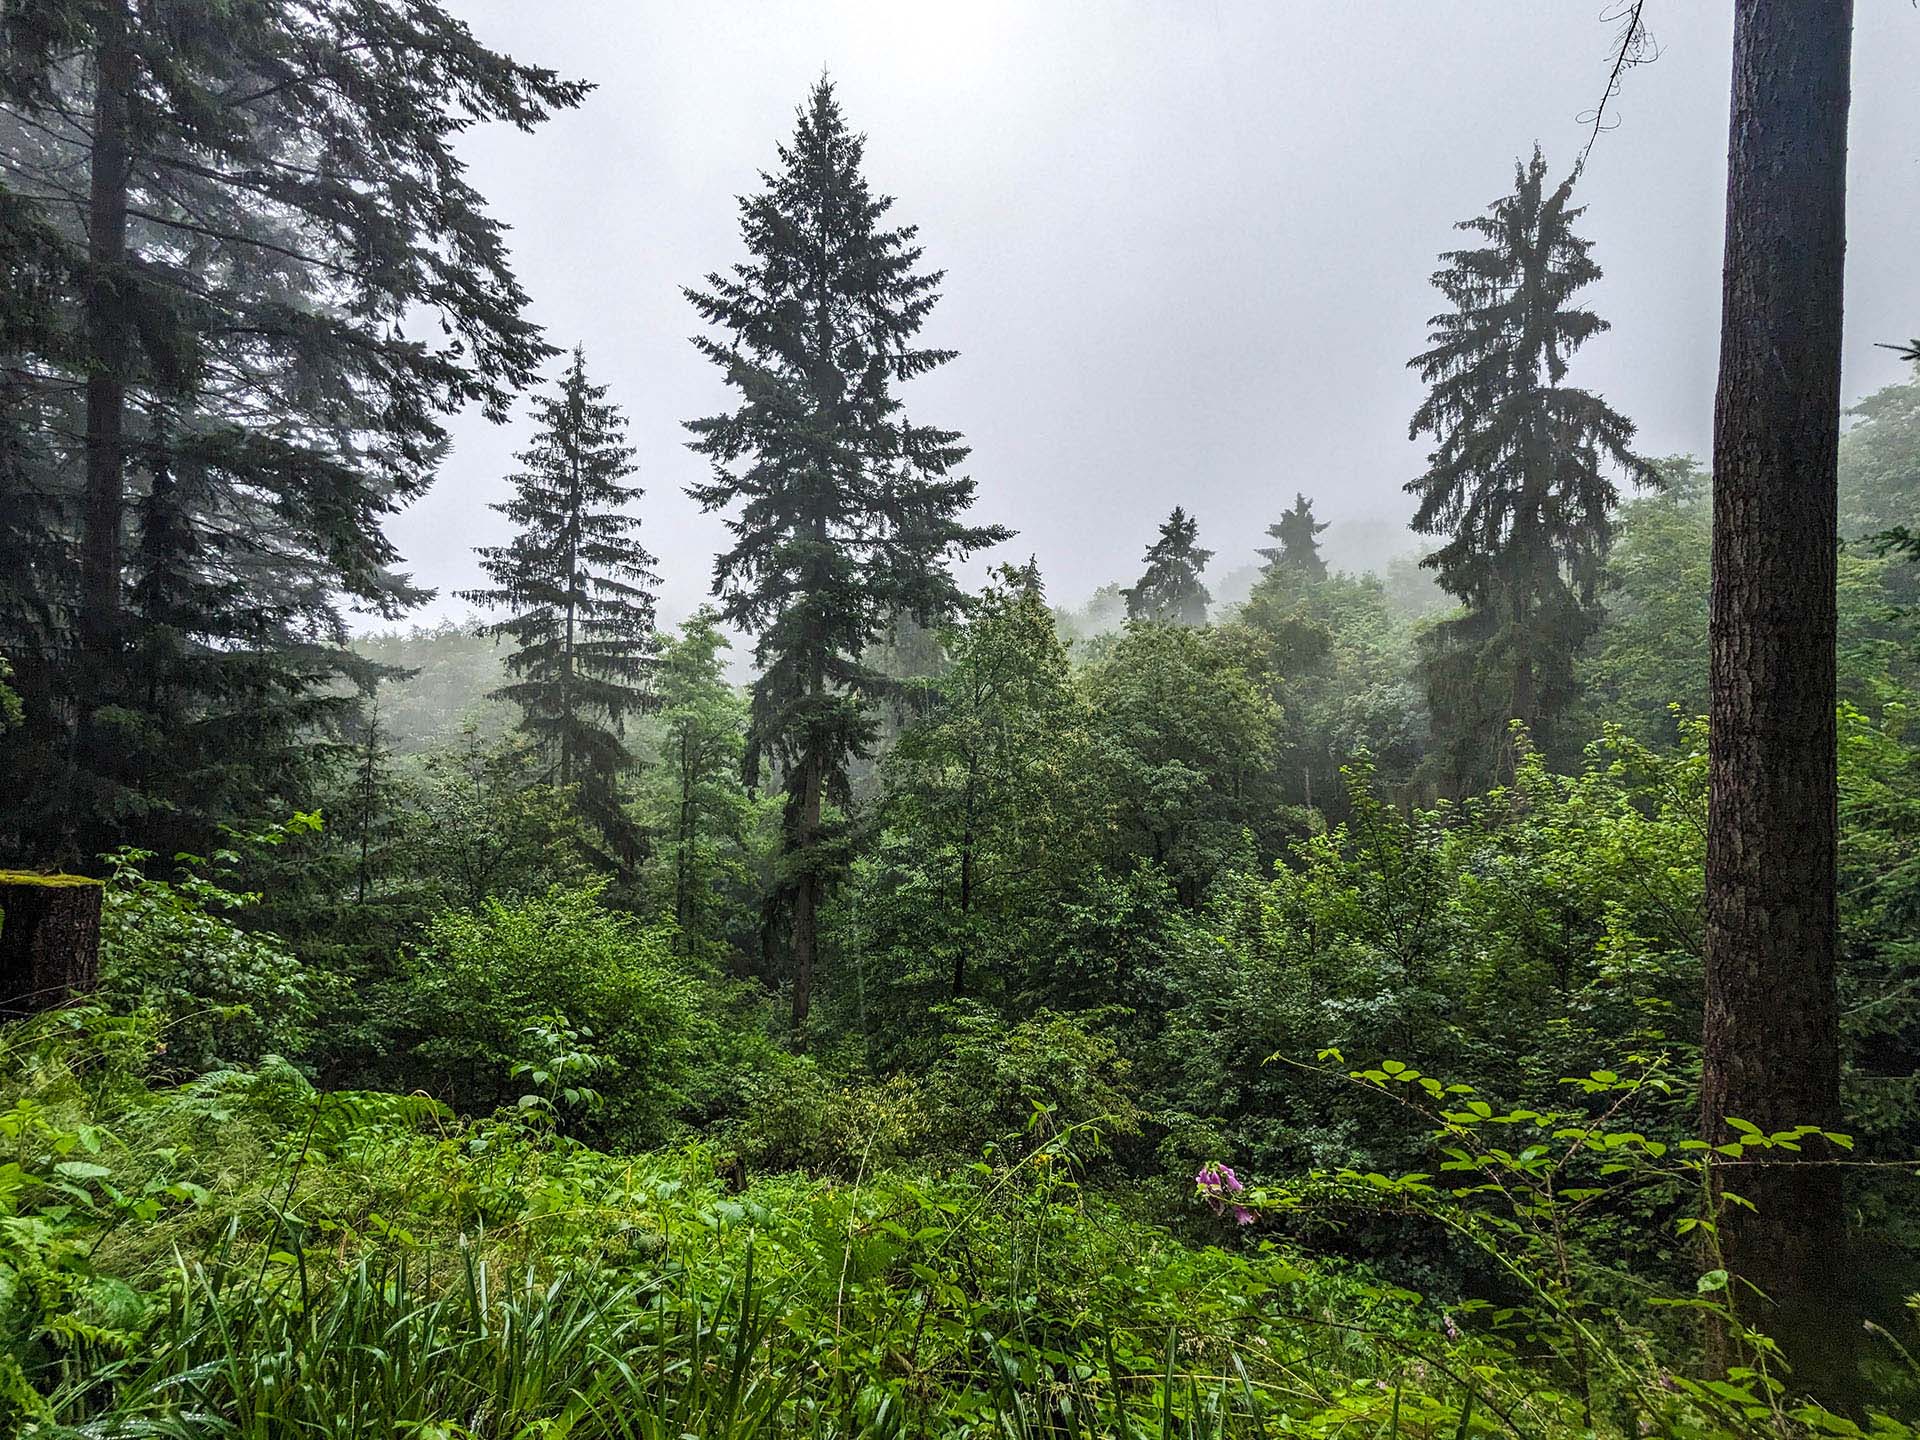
x=1298, y=552
x=848, y=514
x=578, y=582
x=438, y=679
x=1515, y=483
x=946, y=1034
x=1169, y=591
x=1345, y=661
x=230, y=232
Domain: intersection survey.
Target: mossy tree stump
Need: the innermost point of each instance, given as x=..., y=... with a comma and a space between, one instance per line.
x=49, y=940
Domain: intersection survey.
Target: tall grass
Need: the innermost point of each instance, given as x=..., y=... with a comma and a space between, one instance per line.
x=384, y=1349
x=245, y=1257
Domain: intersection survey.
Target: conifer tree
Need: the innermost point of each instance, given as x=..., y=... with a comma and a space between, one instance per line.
x=1297, y=555
x=578, y=583
x=245, y=248
x=1170, y=592
x=848, y=513
x=1515, y=483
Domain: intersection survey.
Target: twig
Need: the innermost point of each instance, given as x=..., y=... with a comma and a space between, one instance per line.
x=1632, y=45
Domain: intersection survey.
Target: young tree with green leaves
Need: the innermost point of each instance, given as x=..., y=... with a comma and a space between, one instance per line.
x=985, y=785
x=1184, y=723
x=1169, y=592
x=1297, y=553
x=485, y=826
x=1515, y=483
x=848, y=514
x=1344, y=661
x=1880, y=461
x=579, y=584
x=696, y=804
x=254, y=264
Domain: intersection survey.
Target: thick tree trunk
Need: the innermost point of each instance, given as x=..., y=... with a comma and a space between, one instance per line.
x=103, y=497
x=49, y=941
x=107, y=346
x=1771, y=1047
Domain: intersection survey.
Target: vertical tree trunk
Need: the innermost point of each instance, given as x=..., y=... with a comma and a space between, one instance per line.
x=49, y=941
x=963, y=951
x=683, y=858
x=104, y=497
x=806, y=894
x=573, y=586
x=1771, y=1046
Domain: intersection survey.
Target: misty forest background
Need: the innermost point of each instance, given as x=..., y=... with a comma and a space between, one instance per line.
x=877, y=1003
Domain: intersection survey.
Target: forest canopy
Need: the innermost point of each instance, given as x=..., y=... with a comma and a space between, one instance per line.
x=897, y=998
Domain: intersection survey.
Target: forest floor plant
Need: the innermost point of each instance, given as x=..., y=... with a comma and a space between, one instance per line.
x=244, y=1255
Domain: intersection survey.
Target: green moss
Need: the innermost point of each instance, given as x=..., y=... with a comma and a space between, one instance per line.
x=29, y=877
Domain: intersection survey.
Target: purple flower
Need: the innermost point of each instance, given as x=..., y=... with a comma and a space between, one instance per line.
x=1215, y=1176
x=1217, y=1182
x=1446, y=1324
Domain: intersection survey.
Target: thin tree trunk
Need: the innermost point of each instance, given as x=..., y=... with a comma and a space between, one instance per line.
x=107, y=330
x=682, y=880
x=1771, y=1045
x=806, y=896
x=573, y=570
x=961, y=952
x=369, y=794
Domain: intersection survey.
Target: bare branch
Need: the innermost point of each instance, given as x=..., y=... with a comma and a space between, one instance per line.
x=1632, y=46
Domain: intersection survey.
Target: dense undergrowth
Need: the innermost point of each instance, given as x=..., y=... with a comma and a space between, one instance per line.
x=246, y=1255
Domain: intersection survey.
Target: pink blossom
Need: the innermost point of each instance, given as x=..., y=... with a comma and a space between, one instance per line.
x=1216, y=1182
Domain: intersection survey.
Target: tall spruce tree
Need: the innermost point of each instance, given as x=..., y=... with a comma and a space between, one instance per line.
x=247, y=258
x=1297, y=555
x=1515, y=481
x=579, y=584
x=849, y=514
x=1169, y=592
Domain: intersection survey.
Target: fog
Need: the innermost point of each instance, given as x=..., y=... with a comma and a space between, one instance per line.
x=1187, y=246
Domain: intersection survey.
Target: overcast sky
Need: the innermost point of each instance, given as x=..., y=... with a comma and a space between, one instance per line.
x=1187, y=244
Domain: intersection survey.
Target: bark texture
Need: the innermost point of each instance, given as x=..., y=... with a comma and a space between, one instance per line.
x=106, y=324
x=49, y=941
x=1772, y=1035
